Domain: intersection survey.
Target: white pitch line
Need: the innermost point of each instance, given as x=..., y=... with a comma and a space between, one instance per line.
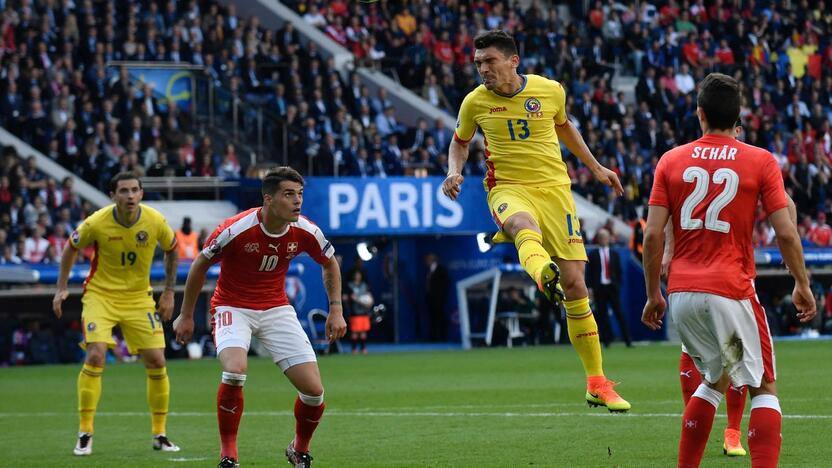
x=183, y=459
x=394, y=414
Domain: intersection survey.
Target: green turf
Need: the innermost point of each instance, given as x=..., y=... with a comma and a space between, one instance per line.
x=519, y=407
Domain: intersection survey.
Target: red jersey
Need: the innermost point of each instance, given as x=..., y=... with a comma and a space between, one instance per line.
x=255, y=262
x=711, y=187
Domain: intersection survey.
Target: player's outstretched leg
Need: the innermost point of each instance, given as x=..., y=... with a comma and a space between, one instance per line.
x=89, y=392
x=583, y=333
x=158, y=397
x=735, y=403
x=309, y=409
x=696, y=424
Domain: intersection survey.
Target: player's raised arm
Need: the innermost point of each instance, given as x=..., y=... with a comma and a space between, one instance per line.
x=657, y=219
x=569, y=135
x=183, y=326
x=67, y=260
x=336, y=327
x=457, y=155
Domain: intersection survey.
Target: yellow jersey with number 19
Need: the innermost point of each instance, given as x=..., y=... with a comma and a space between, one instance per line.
x=521, y=146
x=120, y=268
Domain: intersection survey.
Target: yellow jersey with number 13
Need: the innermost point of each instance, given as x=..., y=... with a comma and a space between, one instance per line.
x=521, y=146
x=120, y=268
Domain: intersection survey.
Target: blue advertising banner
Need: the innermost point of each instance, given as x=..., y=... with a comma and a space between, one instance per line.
x=174, y=84
x=349, y=206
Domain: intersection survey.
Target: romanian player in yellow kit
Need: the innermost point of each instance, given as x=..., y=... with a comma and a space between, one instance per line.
x=523, y=120
x=117, y=292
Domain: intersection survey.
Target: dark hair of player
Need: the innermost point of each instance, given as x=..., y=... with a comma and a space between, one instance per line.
x=123, y=176
x=272, y=180
x=503, y=41
x=719, y=99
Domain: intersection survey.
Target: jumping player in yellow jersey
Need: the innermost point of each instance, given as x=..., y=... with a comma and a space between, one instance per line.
x=523, y=119
x=117, y=292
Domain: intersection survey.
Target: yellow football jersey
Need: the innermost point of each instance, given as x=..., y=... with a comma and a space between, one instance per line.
x=521, y=146
x=123, y=254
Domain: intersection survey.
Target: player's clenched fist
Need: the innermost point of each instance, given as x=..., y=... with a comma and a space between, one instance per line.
x=335, y=326
x=452, y=186
x=184, y=328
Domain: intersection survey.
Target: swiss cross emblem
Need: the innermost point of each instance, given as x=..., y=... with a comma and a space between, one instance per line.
x=690, y=423
x=292, y=247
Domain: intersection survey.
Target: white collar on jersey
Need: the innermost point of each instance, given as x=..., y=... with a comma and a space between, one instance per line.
x=280, y=234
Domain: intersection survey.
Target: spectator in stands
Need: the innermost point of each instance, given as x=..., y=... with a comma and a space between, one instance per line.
x=821, y=234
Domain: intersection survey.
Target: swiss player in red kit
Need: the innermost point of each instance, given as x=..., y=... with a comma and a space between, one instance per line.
x=709, y=189
x=254, y=249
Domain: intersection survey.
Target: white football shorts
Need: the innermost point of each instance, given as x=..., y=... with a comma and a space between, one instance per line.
x=725, y=334
x=277, y=328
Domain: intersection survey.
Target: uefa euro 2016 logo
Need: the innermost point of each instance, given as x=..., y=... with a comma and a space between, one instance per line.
x=178, y=87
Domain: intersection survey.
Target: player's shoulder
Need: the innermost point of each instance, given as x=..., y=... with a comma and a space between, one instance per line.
x=101, y=216
x=306, y=225
x=241, y=221
x=540, y=81
x=476, y=95
x=151, y=214
x=677, y=154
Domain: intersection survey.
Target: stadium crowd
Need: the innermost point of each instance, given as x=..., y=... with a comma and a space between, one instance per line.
x=58, y=93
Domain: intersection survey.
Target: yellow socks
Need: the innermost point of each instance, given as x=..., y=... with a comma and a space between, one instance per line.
x=583, y=332
x=533, y=256
x=89, y=391
x=158, y=397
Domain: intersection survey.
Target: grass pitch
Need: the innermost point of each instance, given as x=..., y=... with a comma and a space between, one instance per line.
x=486, y=407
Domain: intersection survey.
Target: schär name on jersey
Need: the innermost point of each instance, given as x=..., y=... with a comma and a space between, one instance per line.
x=714, y=152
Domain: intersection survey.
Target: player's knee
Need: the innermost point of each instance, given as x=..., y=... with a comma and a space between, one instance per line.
x=235, y=367
x=313, y=396
x=154, y=359
x=765, y=388
x=96, y=355
x=517, y=223
x=573, y=287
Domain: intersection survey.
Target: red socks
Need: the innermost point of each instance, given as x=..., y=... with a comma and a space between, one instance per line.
x=696, y=425
x=735, y=401
x=764, y=431
x=307, y=418
x=689, y=376
x=229, y=412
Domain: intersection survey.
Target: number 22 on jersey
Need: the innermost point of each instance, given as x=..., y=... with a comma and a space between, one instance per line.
x=698, y=175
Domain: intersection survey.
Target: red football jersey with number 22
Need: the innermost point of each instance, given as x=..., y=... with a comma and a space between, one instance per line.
x=711, y=188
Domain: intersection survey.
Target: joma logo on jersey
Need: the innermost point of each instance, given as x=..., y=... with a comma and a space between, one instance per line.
x=114, y=238
x=252, y=247
x=497, y=109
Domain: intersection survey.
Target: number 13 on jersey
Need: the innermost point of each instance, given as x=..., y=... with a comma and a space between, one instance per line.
x=518, y=129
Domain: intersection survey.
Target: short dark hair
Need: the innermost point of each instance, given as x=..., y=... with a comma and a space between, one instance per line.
x=719, y=99
x=503, y=41
x=123, y=176
x=272, y=180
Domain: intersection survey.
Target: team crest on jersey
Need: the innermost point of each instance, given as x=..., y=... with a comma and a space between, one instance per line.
x=532, y=105
x=141, y=238
x=292, y=247
x=75, y=237
x=91, y=326
x=252, y=247
x=502, y=208
x=214, y=248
